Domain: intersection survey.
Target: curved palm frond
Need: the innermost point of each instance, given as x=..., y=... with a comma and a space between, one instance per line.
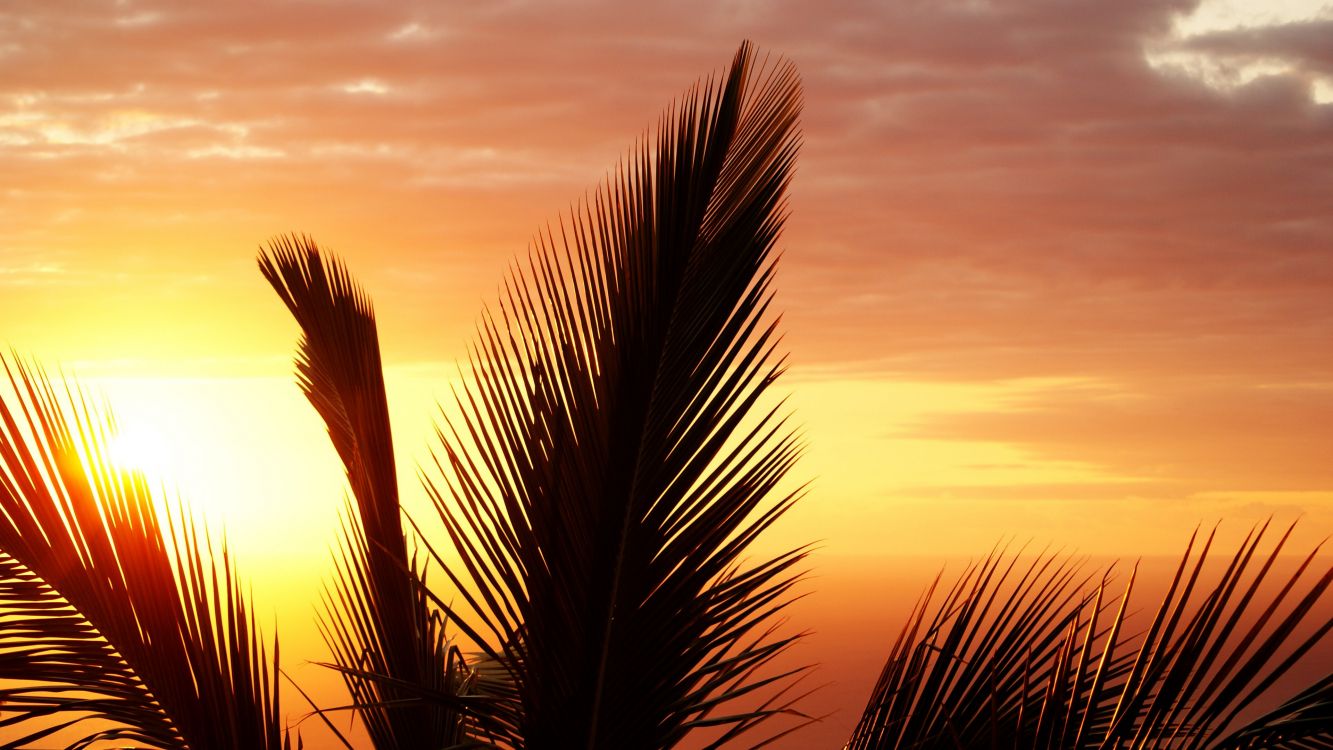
x=1044, y=662
x=406, y=679
x=614, y=458
x=112, y=626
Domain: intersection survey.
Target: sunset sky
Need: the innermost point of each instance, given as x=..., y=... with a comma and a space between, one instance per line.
x=1057, y=270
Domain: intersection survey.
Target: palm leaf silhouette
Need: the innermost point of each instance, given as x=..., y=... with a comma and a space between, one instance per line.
x=1040, y=657
x=613, y=459
x=1301, y=723
x=115, y=627
x=387, y=639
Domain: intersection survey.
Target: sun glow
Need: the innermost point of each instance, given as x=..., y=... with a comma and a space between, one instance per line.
x=141, y=449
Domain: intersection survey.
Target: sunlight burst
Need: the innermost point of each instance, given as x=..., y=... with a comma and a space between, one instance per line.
x=142, y=450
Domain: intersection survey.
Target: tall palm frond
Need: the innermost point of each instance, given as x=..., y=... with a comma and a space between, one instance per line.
x=1044, y=660
x=114, y=626
x=388, y=641
x=614, y=458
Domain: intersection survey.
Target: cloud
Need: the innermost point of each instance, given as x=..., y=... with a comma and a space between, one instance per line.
x=30, y=274
x=989, y=192
x=1227, y=45
x=365, y=86
x=1187, y=435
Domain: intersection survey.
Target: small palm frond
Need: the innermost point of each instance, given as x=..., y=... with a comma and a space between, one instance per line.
x=387, y=639
x=1046, y=662
x=1304, y=722
x=981, y=659
x=114, y=627
x=614, y=458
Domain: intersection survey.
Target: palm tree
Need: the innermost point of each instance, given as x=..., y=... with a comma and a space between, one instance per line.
x=114, y=626
x=609, y=461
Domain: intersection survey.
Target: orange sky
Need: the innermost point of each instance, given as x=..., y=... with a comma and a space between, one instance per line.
x=1055, y=270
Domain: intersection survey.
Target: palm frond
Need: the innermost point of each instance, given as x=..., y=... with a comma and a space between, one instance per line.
x=614, y=457
x=388, y=641
x=1053, y=666
x=1305, y=722
x=114, y=626
x=977, y=662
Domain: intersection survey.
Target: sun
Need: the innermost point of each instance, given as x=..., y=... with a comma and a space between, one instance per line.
x=139, y=449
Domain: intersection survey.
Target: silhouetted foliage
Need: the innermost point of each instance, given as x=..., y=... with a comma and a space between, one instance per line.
x=112, y=624
x=389, y=643
x=1034, y=657
x=615, y=456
